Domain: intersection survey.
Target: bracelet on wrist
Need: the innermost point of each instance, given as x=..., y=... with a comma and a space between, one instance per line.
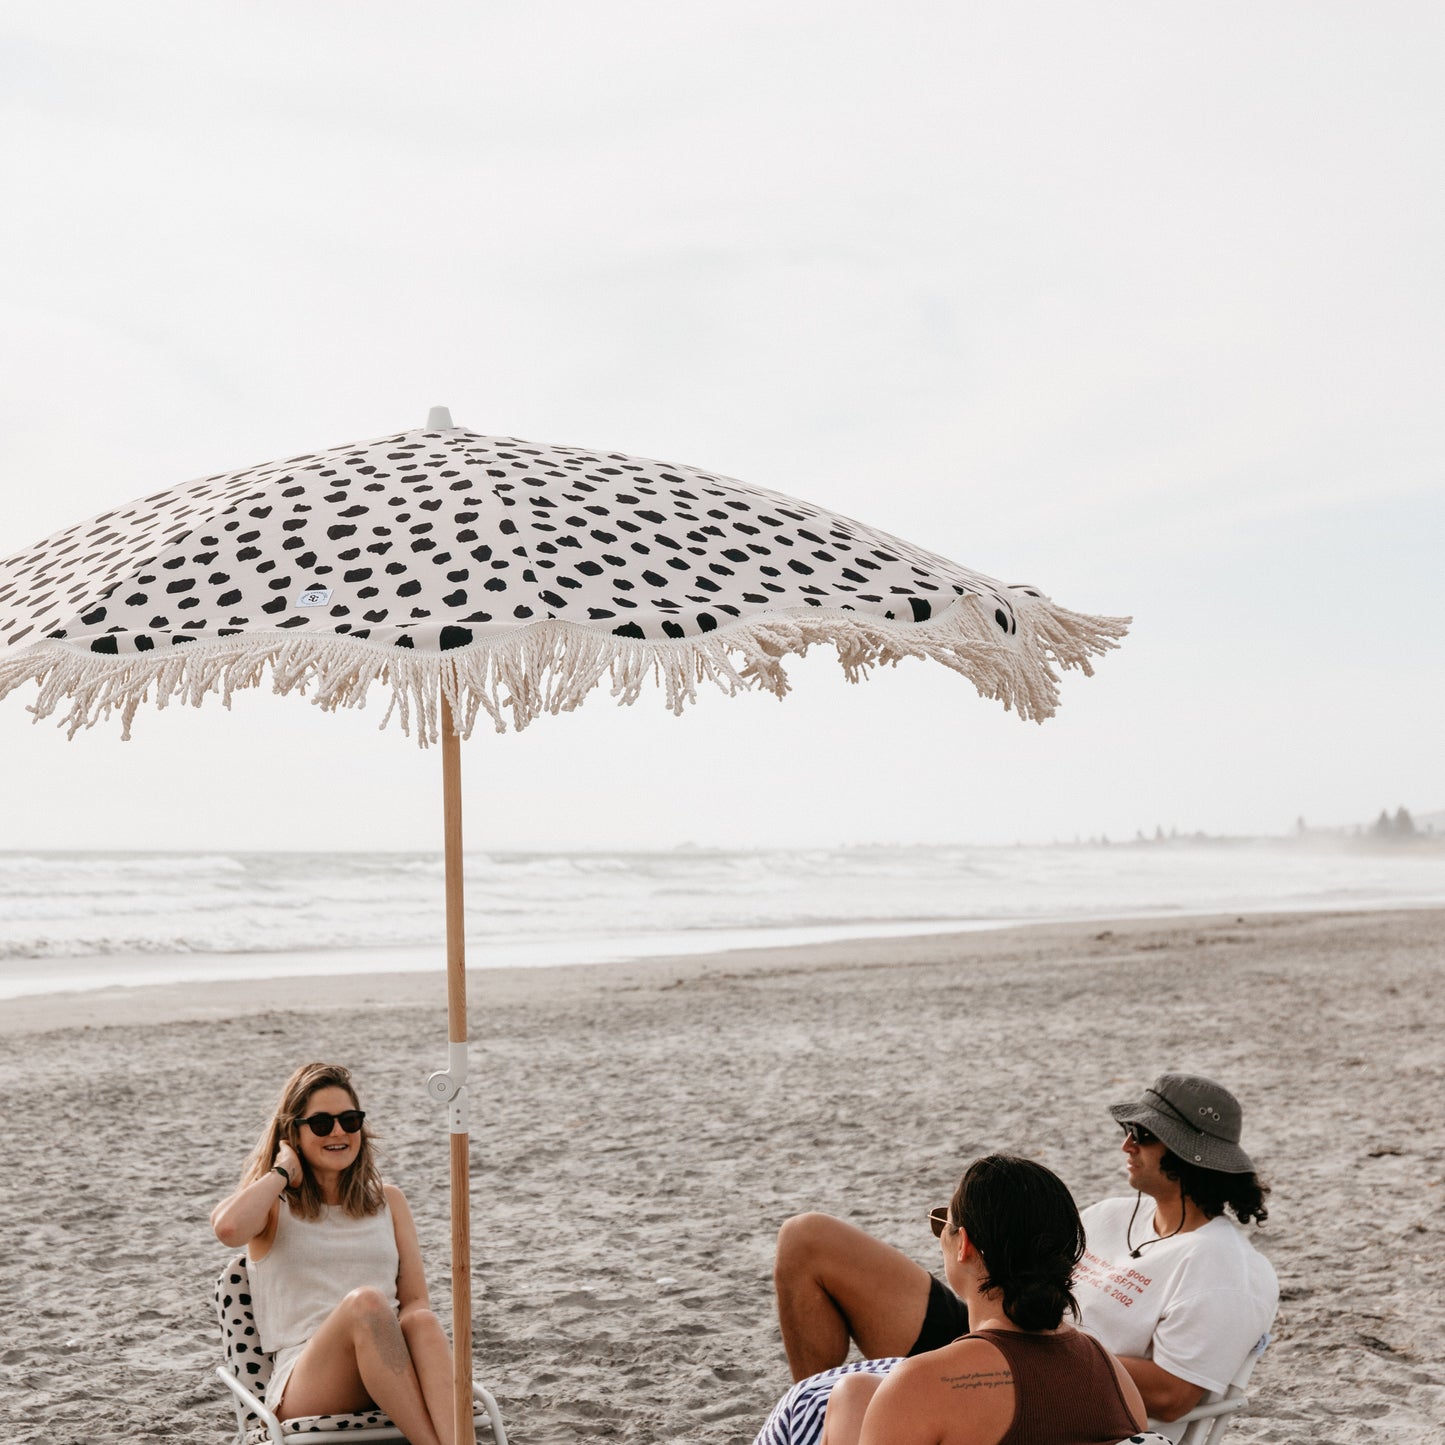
x=277, y=1169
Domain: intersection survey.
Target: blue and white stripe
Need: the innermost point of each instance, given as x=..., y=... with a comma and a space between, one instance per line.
x=797, y=1418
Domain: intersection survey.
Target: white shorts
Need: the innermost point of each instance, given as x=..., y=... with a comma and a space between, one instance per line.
x=281, y=1373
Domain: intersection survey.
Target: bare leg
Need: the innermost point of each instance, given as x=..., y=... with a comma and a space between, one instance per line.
x=835, y=1283
x=843, y=1419
x=357, y=1358
x=431, y=1357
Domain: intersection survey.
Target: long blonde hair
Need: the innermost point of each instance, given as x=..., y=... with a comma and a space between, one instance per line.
x=360, y=1183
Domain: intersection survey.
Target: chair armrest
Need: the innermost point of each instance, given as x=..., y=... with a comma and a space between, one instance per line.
x=484, y=1398
x=273, y=1425
x=1227, y=1406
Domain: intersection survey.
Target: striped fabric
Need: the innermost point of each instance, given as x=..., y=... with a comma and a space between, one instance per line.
x=797, y=1419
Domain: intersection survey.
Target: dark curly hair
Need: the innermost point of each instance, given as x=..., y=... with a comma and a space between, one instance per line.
x=1215, y=1191
x=1025, y=1224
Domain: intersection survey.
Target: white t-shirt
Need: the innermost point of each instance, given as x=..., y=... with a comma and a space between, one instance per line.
x=1195, y=1304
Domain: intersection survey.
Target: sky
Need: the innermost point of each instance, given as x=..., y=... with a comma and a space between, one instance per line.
x=1140, y=304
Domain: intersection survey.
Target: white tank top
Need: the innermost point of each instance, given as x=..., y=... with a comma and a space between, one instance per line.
x=312, y=1264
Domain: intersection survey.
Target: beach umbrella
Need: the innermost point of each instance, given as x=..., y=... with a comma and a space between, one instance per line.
x=466, y=576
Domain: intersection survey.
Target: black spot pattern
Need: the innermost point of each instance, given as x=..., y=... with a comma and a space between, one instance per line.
x=251, y=1365
x=429, y=536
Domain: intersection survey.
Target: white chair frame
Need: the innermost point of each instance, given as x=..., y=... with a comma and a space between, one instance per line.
x=279, y=1435
x=233, y=1291
x=1208, y=1421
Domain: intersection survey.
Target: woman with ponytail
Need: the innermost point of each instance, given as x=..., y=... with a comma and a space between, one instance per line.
x=336, y=1272
x=1022, y=1375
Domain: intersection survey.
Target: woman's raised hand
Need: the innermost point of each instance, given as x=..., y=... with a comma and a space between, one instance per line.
x=248, y=1213
x=290, y=1161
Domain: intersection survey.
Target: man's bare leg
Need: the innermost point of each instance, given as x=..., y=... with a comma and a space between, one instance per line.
x=835, y=1283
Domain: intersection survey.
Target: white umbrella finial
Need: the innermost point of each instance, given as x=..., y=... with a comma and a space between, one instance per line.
x=439, y=418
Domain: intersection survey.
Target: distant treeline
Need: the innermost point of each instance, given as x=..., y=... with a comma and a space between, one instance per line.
x=1402, y=825
x=1396, y=827
x=1389, y=829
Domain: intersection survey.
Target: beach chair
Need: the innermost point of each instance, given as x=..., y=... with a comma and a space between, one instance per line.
x=1206, y=1423
x=247, y=1368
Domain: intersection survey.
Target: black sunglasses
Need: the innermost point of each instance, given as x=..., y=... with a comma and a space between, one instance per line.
x=1139, y=1134
x=938, y=1220
x=322, y=1124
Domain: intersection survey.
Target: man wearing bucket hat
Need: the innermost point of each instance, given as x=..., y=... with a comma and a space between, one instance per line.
x=1174, y=1289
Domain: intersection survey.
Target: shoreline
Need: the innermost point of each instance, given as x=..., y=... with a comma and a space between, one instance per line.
x=73, y=925
x=192, y=1001
x=255, y=966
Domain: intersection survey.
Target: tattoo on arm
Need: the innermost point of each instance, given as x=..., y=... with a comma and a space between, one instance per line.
x=978, y=1380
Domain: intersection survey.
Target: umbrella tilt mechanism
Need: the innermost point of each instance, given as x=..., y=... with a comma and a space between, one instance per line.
x=449, y=1086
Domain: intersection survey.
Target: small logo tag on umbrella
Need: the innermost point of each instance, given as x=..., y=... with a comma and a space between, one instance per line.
x=314, y=597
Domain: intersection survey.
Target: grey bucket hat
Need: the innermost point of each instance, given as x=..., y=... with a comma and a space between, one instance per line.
x=1198, y=1119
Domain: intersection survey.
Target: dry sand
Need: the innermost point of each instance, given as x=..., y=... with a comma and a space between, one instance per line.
x=640, y=1131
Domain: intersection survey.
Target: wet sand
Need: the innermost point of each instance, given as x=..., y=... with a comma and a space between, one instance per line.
x=640, y=1130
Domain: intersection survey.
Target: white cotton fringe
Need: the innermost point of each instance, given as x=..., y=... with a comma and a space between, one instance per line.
x=551, y=667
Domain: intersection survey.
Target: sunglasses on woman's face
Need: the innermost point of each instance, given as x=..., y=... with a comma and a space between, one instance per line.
x=322, y=1124
x=1139, y=1134
x=938, y=1220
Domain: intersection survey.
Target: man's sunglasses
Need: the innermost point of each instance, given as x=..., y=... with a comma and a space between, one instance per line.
x=322, y=1124
x=1139, y=1134
x=938, y=1220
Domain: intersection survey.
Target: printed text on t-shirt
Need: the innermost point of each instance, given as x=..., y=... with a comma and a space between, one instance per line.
x=1123, y=1285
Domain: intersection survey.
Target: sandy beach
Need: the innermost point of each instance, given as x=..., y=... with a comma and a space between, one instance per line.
x=640, y=1130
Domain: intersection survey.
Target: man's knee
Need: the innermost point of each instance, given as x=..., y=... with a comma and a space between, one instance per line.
x=804, y=1243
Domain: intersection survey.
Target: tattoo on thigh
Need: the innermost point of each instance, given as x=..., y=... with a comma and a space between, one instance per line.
x=390, y=1346
x=978, y=1380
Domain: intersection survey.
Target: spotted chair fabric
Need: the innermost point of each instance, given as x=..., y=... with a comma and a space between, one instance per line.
x=251, y=1365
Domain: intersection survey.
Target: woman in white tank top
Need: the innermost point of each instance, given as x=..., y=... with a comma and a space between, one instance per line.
x=336, y=1274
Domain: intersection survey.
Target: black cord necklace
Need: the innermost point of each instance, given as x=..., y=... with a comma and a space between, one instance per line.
x=1136, y=1251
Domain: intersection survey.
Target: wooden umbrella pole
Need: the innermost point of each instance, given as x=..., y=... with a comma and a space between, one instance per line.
x=464, y=1431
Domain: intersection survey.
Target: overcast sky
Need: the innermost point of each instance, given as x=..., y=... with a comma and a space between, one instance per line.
x=1141, y=304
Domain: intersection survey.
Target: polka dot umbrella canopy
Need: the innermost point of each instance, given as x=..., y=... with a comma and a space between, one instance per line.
x=504, y=576
x=464, y=574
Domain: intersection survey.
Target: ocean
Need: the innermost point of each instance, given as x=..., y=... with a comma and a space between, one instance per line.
x=78, y=920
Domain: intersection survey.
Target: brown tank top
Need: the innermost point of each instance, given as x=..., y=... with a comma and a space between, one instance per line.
x=1065, y=1389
